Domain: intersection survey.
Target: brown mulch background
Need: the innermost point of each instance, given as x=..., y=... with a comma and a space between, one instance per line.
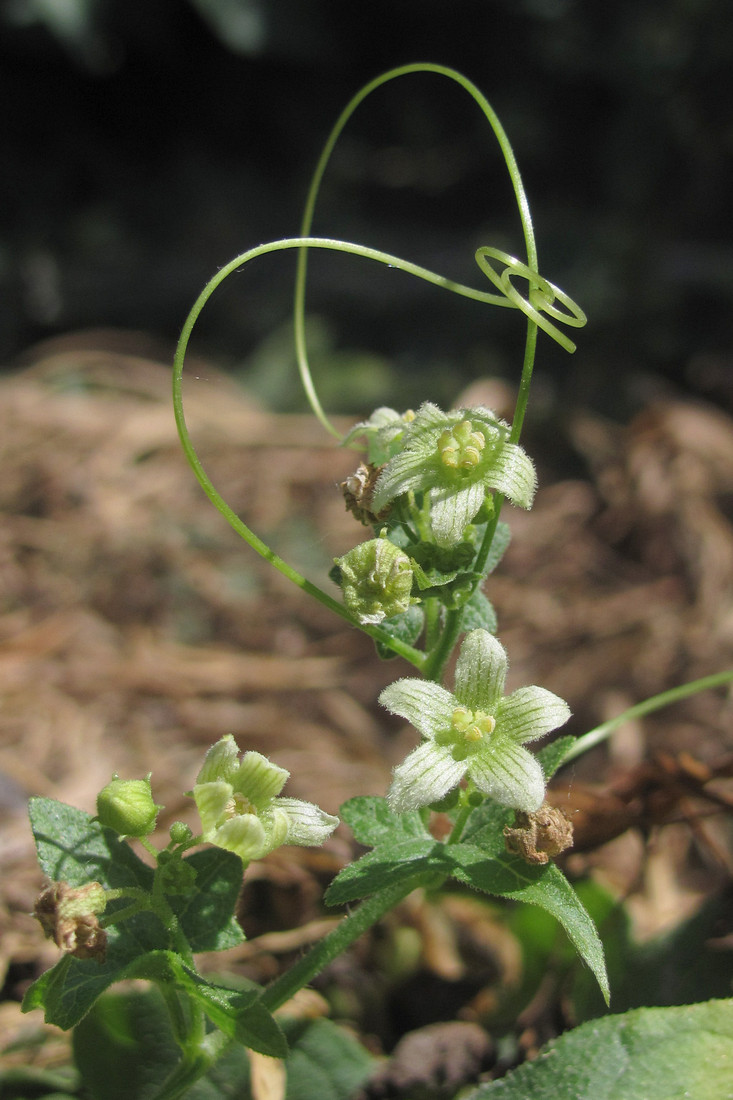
x=136, y=629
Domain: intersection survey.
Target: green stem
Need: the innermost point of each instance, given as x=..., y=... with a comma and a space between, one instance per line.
x=350, y=929
x=656, y=702
x=438, y=658
x=402, y=649
x=193, y=1067
x=462, y=817
x=530, y=347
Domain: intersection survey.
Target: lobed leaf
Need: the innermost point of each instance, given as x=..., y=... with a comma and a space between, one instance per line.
x=372, y=821
x=207, y=912
x=387, y=866
x=509, y=876
x=654, y=1053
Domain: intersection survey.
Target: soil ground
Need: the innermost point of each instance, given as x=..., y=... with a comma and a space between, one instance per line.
x=136, y=629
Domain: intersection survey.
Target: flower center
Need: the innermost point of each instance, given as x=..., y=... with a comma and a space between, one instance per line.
x=471, y=725
x=239, y=804
x=460, y=447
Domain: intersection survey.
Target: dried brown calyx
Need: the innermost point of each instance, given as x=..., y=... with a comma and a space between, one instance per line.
x=68, y=916
x=540, y=835
x=358, y=490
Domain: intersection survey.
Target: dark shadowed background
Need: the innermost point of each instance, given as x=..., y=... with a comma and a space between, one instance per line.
x=146, y=143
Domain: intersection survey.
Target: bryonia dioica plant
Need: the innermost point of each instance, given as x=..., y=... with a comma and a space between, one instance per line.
x=427, y=497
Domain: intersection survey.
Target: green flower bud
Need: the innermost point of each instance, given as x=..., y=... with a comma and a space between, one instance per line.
x=177, y=876
x=126, y=805
x=376, y=580
x=180, y=832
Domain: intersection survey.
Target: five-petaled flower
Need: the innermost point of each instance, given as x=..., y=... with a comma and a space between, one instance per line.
x=458, y=457
x=239, y=808
x=474, y=732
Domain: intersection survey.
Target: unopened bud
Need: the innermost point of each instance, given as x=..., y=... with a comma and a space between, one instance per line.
x=126, y=805
x=376, y=580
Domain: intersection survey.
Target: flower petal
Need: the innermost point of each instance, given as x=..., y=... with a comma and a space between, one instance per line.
x=244, y=835
x=307, y=824
x=508, y=773
x=425, y=705
x=451, y=510
x=428, y=422
x=512, y=472
x=410, y=469
x=220, y=761
x=531, y=712
x=258, y=779
x=481, y=671
x=492, y=426
x=211, y=801
x=425, y=776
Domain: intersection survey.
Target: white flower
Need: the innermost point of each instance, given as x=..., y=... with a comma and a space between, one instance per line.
x=458, y=457
x=475, y=732
x=239, y=808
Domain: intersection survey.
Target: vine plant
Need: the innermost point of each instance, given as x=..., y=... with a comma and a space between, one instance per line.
x=431, y=487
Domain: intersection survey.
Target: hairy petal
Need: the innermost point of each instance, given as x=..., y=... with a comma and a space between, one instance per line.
x=211, y=801
x=452, y=509
x=430, y=419
x=493, y=427
x=508, y=773
x=307, y=823
x=245, y=836
x=425, y=705
x=259, y=779
x=220, y=761
x=425, y=776
x=411, y=469
x=531, y=712
x=512, y=472
x=481, y=671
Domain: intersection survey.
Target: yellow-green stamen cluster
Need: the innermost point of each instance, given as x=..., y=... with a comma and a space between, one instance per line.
x=239, y=804
x=460, y=447
x=473, y=726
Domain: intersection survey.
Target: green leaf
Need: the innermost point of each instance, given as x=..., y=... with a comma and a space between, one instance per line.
x=684, y=965
x=324, y=1061
x=67, y=991
x=479, y=614
x=207, y=912
x=553, y=756
x=372, y=822
x=509, y=876
x=28, y=1083
x=235, y=1010
x=485, y=826
x=74, y=848
x=405, y=628
x=239, y=1015
x=649, y=1053
x=386, y=866
x=124, y=1047
x=499, y=544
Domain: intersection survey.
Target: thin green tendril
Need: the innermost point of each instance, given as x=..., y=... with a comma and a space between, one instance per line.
x=665, y=698
x=538, y=306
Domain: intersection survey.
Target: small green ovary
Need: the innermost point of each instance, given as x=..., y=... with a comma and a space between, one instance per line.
x=460, y=447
